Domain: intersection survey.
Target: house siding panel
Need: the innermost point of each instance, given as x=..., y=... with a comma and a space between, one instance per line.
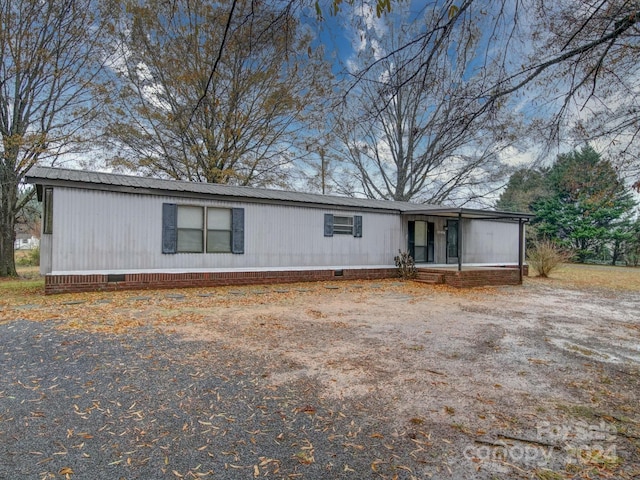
x=490, y=241
x=46, y=249
x=111, y=231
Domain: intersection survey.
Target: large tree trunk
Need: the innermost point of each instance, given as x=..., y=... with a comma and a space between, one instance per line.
x=616, y=251
x=8, y=198
x=51, y=62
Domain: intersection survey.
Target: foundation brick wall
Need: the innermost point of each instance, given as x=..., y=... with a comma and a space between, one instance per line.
x=91, y=283
x=484, y=277
x=134, y=281
x=478, y=278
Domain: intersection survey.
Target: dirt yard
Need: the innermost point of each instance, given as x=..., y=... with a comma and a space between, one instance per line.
x=407, y=380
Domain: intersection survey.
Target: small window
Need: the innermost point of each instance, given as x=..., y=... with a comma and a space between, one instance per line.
x=218, y=230
x=190, y=229
x=47, y=221
x=342, y=225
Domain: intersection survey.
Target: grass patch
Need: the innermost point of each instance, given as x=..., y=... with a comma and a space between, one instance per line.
x=546, y=474
x=18, y=291
x=591, y=414
x=28, y=258
x=593, y=461
x=416, y=348
x=580, y=411
x=26, y=286
x=597, y=276
x=20, y=254
x=21, y=286
x=22, y=289
x=586, y=351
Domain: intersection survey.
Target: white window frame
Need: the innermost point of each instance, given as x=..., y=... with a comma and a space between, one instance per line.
x=190, y=229
x=227, y=229
x=342, y=225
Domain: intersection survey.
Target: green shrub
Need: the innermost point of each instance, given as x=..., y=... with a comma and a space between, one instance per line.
x=546, y=256
x=31, y=259
x=406, y=265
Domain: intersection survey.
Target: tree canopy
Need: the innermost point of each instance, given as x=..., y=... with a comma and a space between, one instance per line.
x=212, y=91
x=579, y=202
x=568, y=68
x=52, y=56
x=413, y=127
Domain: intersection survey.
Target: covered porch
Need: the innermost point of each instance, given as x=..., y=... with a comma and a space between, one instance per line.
x=466, y=247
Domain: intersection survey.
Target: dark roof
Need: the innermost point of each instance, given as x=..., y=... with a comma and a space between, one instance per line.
x=24, y=236
x=129, y=183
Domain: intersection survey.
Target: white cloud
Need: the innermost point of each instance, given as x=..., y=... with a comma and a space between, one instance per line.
x=517, y=158
x=359, y=41
x=378, y=50
x=368, y=29
x=366, y=14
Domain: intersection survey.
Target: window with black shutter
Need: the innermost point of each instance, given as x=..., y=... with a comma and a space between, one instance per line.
x=342, y=225
x=194, y=229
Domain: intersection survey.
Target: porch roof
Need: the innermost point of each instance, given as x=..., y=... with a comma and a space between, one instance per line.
x=459, y=212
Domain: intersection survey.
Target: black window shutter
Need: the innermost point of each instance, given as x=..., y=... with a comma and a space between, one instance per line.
x=328, y=225
x=357, y=226
x=169, y=228
x=237, y=230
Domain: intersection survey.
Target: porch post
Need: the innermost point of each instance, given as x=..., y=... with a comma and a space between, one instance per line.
x=459, y=241
x=521, y=248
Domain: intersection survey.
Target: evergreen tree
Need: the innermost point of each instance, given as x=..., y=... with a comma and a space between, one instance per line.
x=632, y=244
x=590, y=206
x=525, y=188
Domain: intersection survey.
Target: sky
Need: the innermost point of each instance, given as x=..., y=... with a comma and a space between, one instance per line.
x=353, y=30
x=356, y=30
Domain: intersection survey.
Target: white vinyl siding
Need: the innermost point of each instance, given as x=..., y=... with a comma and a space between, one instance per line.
x=489, y=240
x=127, y=235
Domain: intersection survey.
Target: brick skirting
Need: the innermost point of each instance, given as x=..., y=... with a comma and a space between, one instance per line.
x=133, y=281
x=481, y=277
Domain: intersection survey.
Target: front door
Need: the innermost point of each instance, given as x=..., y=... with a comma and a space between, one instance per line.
x=421, y=241
x=452, y=241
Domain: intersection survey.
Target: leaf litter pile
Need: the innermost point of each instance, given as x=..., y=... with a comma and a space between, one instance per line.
x=313, y=381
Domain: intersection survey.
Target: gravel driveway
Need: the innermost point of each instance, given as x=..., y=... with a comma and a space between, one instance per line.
x=96, y=406
x=353, y=380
